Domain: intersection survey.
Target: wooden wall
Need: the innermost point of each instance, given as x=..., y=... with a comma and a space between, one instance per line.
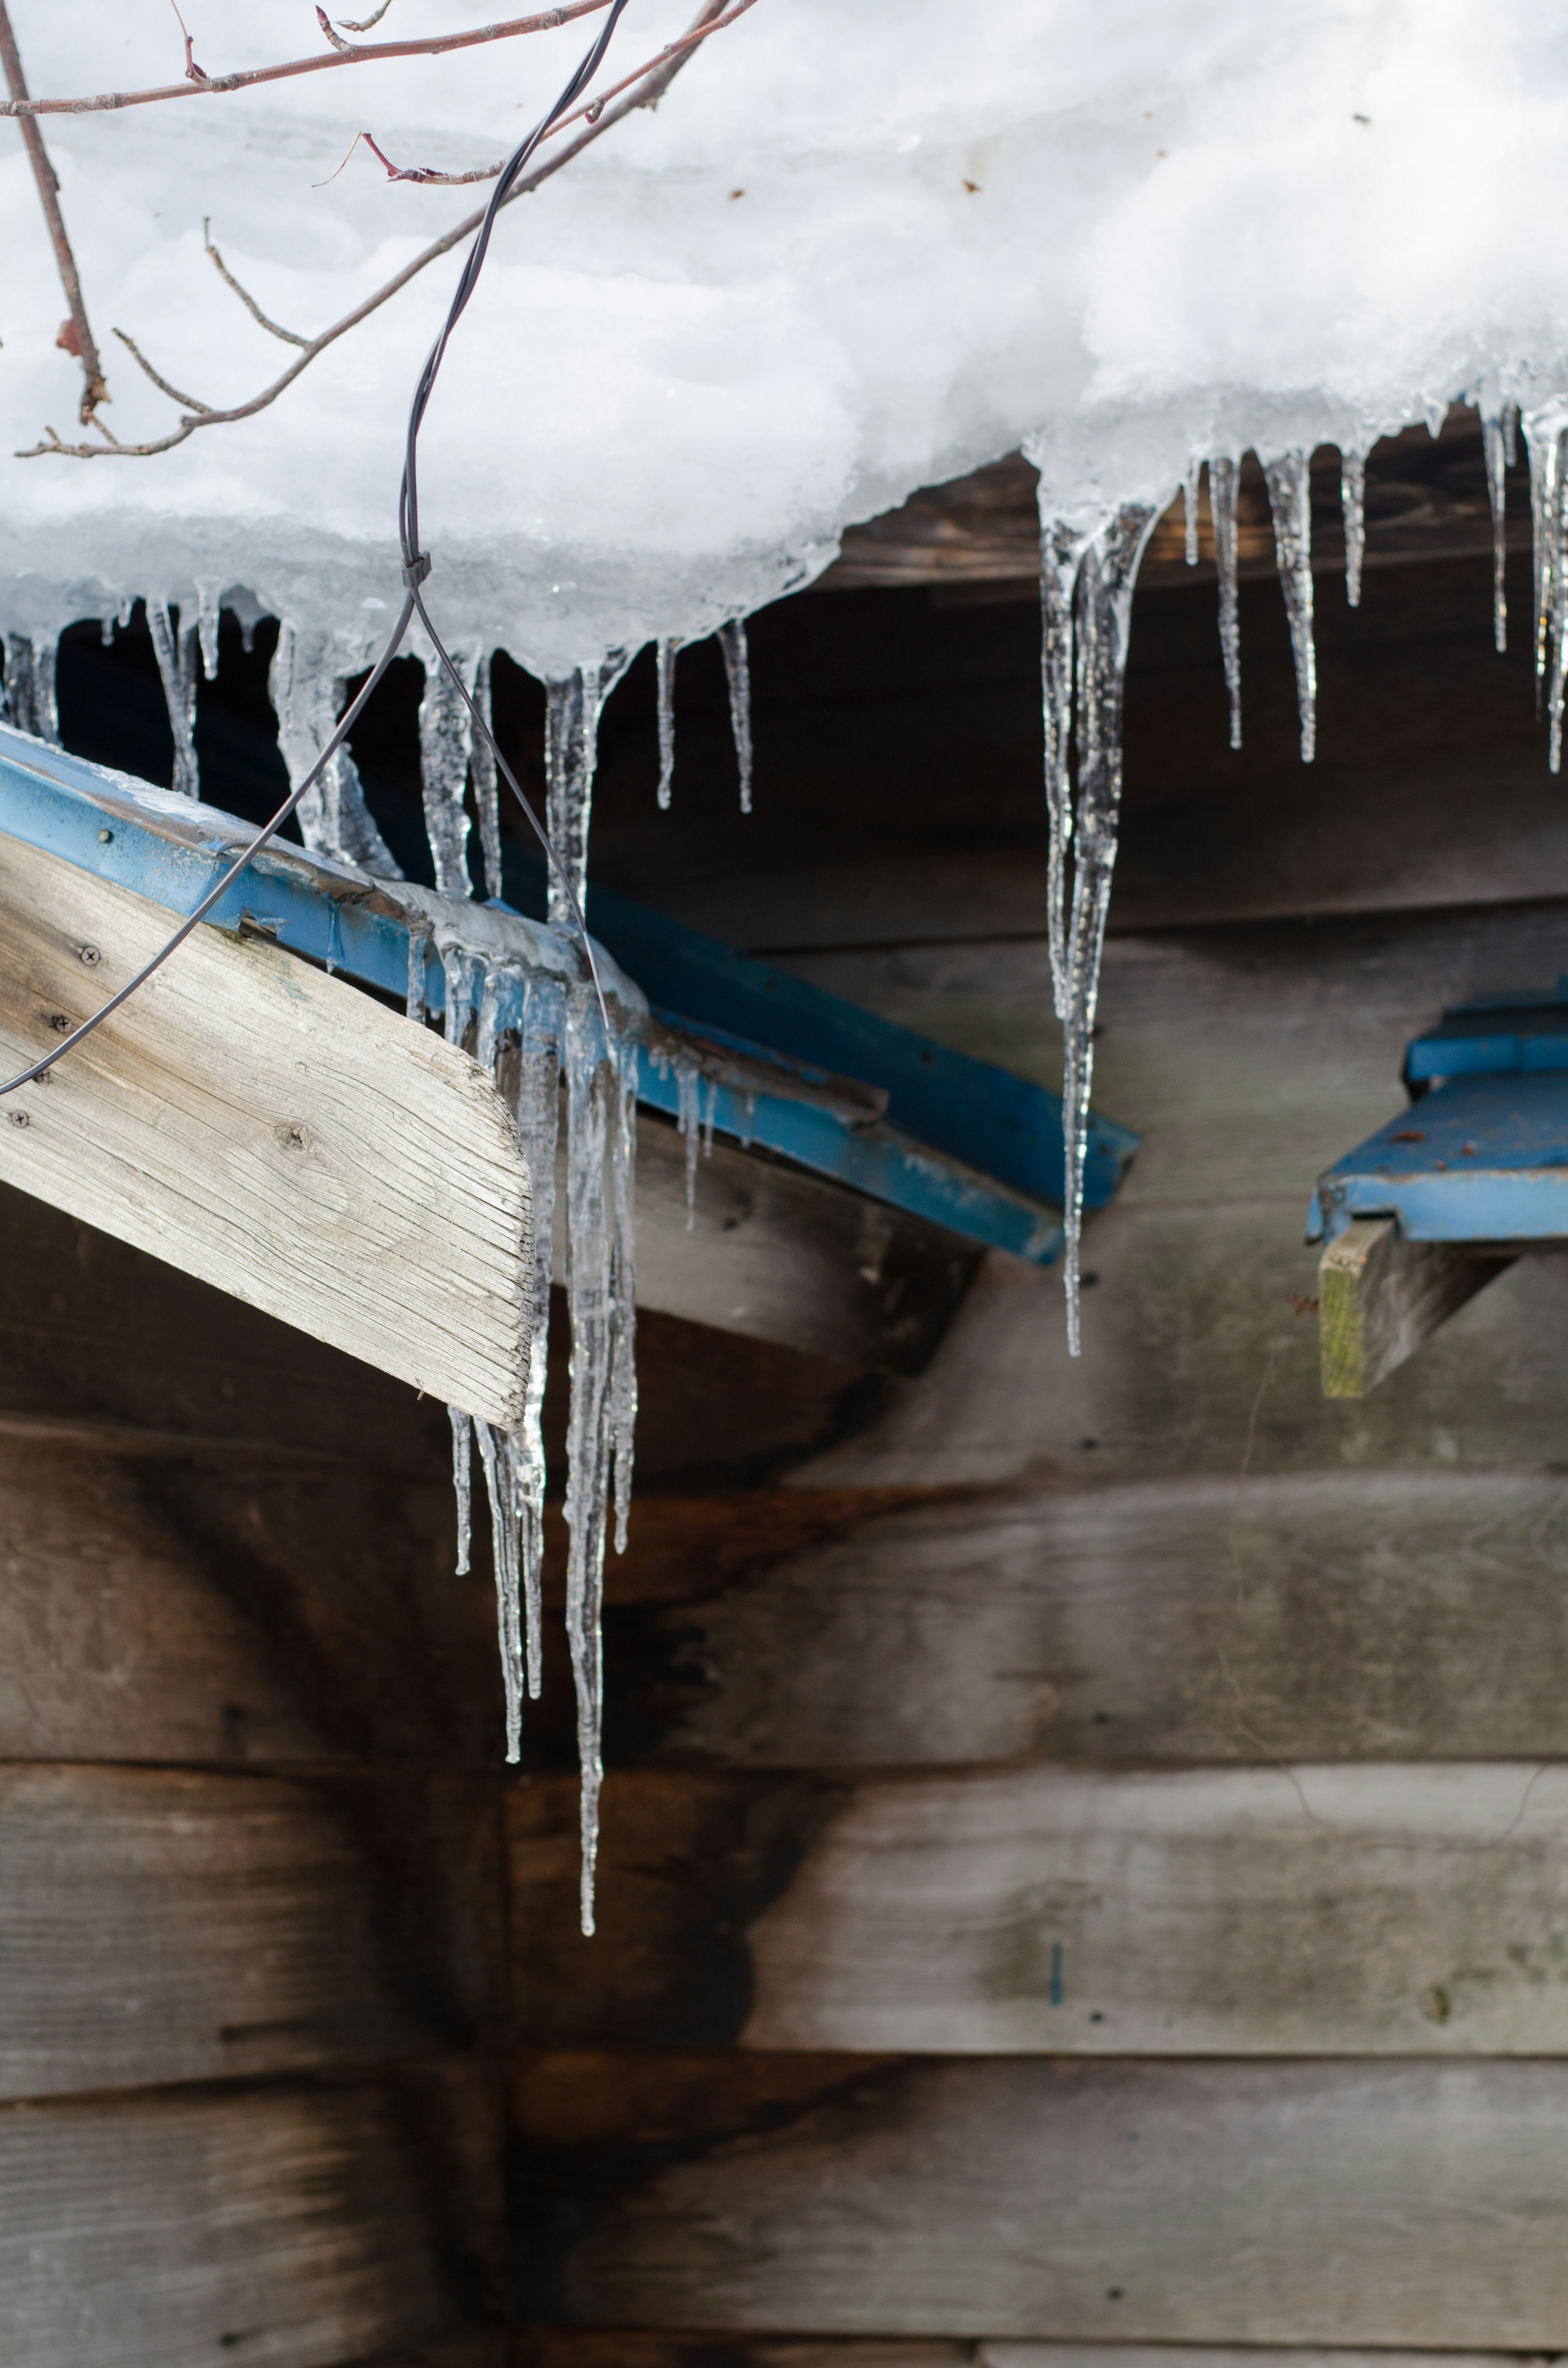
x=1084, y=1861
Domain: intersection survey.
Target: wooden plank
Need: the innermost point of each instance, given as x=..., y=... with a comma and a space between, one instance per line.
x=1325, y=1911
x=269, y=1129
x=1379, y=1297
x=170, y=1926
x=221, y=1611
x=301, y=2228
x=1357, y=1614
x=778, y=1255
x=559, y=2346
x=1421, y=2204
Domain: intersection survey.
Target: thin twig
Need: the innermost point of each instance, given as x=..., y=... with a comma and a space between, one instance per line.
x=76, y=335
x=366, y=23
x=192, y=70
x=655, y=83
x=191, y=401
x=362, y=53
x=288, y=336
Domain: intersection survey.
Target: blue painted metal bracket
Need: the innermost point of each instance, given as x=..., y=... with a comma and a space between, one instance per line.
x=785, y=1066
x=1482, y=1155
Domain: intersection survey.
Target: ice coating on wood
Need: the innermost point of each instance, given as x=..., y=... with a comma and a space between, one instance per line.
x=1222, y=475
x=1290, y=500
x=665, y=662
x=737, y=671
x=1353, y=505
x=307, y=683
x=174, y=649
x=445, y=738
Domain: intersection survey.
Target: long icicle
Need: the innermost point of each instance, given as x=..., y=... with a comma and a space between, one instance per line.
x=175, y=651
x=574, y=704
x=462, y=1481
x=446, y=741
x=539, y=1117
x=1190, y=484
x=1353, y=503
x=30, y=697
x=486, y=795
x=1222, y=475
x=1290, y=499
x=737, y=669
x=623, y=1284
x=1105, y=581
x=1543, y=430
x=1559, y=602
x=589, y=1096
x=665, y=657
x=1494, y=447
x=307, y=687
x=1062, y=548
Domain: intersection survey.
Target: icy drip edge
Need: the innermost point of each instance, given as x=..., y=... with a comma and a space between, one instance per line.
x=664, y=667
x=1290, y=500
x=487, y=794
x=446, y=739
x=574, y=704
x=1062, y=548
x=1546, y=431
x=1222, y=476
x=175, y=651
x=1353, y=504
x=1104, y=604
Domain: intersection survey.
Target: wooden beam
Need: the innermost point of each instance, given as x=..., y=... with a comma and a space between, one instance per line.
x=270, y=1130
x=1419, y=2205
x=1362, y=1910
x=561, y=2347
x=1380, y=1296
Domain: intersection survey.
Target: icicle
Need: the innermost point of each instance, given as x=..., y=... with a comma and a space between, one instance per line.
x=464, y=981
x=623, y=1286
x=665, y=657
x=308, y=689
x=1189, y=507
x=1559, y=532
x=105, y=633
x=174, y=649
x=1496, y=439
x=206, y=595
x=127, y=611
x=30, y=698
x=1104, y=617
x=247, y=633
x=539, y=1117
x=445, y=740
x=688, y=1123
x=1222, y=511
x=1061, y=549
x=1290, y=499
x=1543, y=446
x=709, y=1115
x=737, y=667
x=500, y=1483
x=574, y=704
x=1353, y=501
x=590, y=1092
x=486, y=788
x=462, y=1444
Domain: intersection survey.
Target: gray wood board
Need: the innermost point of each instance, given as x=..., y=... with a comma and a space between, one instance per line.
x=1420, y=2204
x=296, y=2227
x=1357, y=1910
x=270, y=1130
x=1358, y=1615
x=171, y=1927
x=165, y=1609
x=559, y=2346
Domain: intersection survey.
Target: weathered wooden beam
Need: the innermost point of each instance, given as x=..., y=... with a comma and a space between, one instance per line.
x=562, y=2347
x=1420, y=2204
x=193, y=1926
x=1364, y=1911
x=307, y=2225
x=270, y=1130
x=1380, y=1296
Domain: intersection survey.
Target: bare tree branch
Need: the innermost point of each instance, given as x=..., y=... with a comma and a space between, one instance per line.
x=711, y=18
x=191, y=401
x=76, y=335
x=359, y=55
x=289, y=336
x=366, y=23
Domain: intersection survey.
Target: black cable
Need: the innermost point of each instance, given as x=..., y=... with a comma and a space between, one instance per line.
x=415, y=568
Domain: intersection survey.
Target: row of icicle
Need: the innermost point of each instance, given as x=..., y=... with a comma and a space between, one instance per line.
x=559, y=1049
x=1088, y=576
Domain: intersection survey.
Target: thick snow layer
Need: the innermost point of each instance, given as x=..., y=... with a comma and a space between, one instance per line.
x=857, y=249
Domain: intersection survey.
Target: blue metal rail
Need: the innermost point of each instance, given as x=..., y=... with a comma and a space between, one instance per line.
x=786, y=1066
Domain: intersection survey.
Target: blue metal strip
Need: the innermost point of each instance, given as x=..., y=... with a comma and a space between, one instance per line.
x=1483, y=1158
x=169, y=849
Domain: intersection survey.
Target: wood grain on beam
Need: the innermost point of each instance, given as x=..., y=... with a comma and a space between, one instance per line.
x=561, y=2347
x=1379, y=1297
x=1419, y=2205
x=270, y=1130
x=303, y=2227
x=1370, y=1615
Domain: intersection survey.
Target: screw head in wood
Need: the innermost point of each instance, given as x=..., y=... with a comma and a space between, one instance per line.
x=20, y=1118
x=91, y=955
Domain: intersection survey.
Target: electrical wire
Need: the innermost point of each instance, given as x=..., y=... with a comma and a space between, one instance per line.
x=415, y=568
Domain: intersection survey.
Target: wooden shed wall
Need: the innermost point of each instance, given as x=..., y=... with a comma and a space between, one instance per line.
x=1082, y=1865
